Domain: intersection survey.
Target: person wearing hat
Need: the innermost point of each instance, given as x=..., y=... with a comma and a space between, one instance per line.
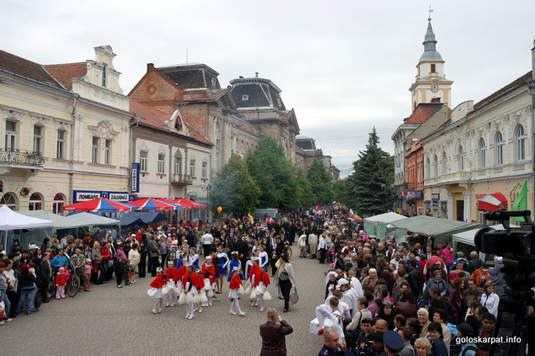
x=253, y=274
x=468, y=348
x=393, y=343
x=235, y=285
x=234, y=262
x=158, y=284
x=172, y=278
x=351, y=295
x=189, y=283
x=222, y=266
x=208, y=272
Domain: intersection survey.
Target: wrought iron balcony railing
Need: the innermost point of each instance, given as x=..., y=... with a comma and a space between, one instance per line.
x=181, y=179
x=13, y=157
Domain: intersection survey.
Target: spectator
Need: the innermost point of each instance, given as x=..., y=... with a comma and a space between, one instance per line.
x=423, y=318
x=490, y=299
x=406, y=334
x=439, y=316
x=439, y=348
x=331, y=344
x=422, y=346
x=481, y=276
x=274, y=335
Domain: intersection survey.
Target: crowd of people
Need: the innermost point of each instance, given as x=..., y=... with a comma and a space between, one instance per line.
x=381, y=297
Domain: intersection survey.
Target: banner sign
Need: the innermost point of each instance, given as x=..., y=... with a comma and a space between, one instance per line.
x=134, y=177
x=84, y=195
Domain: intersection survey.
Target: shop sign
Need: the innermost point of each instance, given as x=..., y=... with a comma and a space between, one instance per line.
x=444, y=205
x=134, y=177
x=84, y=195
x=435, y=196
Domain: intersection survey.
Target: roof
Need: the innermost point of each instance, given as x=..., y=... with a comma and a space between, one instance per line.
x=506, y=89
x=430, y=50
x=60, y=222
x=441, y=229
x=65, y=72
x=92, y=219
x=384, y=218
x=190, y=76
x=423, y=112
x=256, y=92
x=25, y=68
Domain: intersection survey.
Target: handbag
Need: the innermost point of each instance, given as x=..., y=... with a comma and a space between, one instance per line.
x=294, y=297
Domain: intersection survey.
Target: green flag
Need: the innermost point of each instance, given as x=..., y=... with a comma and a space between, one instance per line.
x=521, y=202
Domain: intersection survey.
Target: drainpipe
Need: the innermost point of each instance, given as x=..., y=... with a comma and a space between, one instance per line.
x=71, y=160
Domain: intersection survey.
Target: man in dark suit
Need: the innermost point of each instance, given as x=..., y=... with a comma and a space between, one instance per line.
x=274, y=335
x=416, y=279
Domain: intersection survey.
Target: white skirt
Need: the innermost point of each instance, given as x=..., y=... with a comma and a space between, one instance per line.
x=155, y=292
x=233, y=294
x=260, y=289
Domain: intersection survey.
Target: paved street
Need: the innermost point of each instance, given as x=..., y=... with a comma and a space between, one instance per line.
x=112, y=321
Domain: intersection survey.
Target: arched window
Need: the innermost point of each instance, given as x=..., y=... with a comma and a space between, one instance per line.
x=59, y=201
x=428, y=168
x=520, y=143
x=444, y=165
x=10, y=200
x=498, y=147
x=36, y=202
x=482, y=148
x=436, y=166
x=460, y=159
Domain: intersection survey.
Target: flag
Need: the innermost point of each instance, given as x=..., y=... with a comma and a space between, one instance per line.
x=250, y=217
x=521, y=202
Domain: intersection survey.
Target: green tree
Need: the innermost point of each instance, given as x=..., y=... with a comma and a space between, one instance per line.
x=274, y=174
x=234, y=189
x=321, y=182
x=369, y=189
x=304, y=194
x=340, y=189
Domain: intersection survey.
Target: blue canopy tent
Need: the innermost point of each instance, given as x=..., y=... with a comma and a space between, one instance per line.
x=135, y=217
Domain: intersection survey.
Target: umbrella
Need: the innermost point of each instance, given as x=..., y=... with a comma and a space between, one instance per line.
x=189, y=204
x=99, y=205
x=492, y=202
x=154, y=204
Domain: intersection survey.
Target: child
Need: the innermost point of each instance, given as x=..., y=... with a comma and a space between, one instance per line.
x=209, y=273
x=222, y=264
x=61, y=281
x=189, y=282
x=235, y=285
x=193, y=258
x=235, y=262
x=253, y=275
x=172, y=278
x=263, y=257
x=88, y=268
x=158, y=284
x=119, y=270
x=261, y=281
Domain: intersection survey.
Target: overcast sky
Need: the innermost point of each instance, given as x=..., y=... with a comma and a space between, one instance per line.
x=343, y=65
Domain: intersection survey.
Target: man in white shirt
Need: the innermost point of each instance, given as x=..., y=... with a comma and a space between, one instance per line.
x=206, y=240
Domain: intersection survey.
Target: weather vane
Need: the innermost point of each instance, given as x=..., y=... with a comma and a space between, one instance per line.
x=430, y=11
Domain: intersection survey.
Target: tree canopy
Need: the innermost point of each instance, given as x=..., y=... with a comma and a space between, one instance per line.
x=321, y=182
x=368, y=186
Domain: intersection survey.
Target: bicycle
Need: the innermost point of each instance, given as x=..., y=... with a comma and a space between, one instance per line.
x=71, y=288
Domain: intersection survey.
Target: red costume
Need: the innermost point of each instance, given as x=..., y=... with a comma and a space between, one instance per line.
x=200, y=282
x=61, y=279
x=181, y=272
x=262, y=277
x=172, y=273
x=235, y=282
x=208, y=272
x=254, y=271
x=158, y=282
x=189, y=277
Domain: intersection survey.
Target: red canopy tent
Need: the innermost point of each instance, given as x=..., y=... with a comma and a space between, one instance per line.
x=99, y=205
x=492, y=202
x=186, y=203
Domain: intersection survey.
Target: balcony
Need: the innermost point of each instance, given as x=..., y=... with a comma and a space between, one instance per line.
x=10, y=158
x=181, y=180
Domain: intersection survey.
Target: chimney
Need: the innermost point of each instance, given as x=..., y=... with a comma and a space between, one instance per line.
x=150, y=66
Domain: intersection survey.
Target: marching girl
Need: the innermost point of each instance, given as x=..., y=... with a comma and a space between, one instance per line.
x=248, y=265
x=235, y=262
x=189, y=281
x=200, y=299
x=172, y=277
x=193, y=258
x=254, y=274
x=208, y=271
x=263, y=257
x=261, y=282
x=157, y=285
x=222, y=265
x=235, y=285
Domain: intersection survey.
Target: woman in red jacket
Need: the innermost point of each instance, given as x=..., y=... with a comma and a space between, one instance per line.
x=106, y=258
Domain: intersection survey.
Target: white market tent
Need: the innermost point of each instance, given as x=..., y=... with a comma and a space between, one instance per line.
x=380, y=225
x=11, y=220
x=93, y=219
x=60, y=222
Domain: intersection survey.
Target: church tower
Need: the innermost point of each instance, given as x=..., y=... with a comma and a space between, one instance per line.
x=431, y=84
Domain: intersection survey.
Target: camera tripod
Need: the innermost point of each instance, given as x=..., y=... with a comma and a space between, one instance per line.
x=516, y=303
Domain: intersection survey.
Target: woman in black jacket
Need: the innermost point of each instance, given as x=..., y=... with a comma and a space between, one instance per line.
x=27, y=289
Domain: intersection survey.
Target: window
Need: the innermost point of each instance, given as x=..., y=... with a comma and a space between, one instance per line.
x=428, y=168
x=498, y=145
x=204, y=169
x=36, y=202
x=143, y=161
x=433, y=68
x=178, y=163
x=520, y=143
x=192, y=168
x=94, y=150
x=104, y=75
x=161, y=163
x=436, y=166
x=482, y=152
x=444, y=163
x=60, y=148
x=37, y=139
x=244, y=97
x=10, y=200
x=57, y=205
x=460, y=158
x=11, y=135
x=107, y=152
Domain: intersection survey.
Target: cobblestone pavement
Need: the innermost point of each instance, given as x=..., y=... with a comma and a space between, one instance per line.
x=112, y=321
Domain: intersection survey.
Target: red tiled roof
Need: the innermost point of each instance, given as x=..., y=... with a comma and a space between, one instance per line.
x=423, y=112
x=26, y=68
x=509, y=87
x=65, y=72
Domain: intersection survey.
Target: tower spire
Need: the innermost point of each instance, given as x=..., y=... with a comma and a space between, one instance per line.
x=430, y=43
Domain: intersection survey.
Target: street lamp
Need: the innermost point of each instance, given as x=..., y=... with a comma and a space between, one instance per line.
x=206, y=188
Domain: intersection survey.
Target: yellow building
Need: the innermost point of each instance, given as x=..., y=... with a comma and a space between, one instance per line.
x=66, y=132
